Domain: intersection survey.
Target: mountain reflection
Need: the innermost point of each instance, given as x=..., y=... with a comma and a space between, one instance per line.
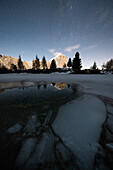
x=24, y=85
x=59, y=86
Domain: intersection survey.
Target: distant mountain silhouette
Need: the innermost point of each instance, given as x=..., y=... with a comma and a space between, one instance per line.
x=7, y=61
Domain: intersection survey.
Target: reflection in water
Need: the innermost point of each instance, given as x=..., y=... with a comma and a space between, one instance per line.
x=27, y=136
x=2, y=90
x=68, y=85
x=53, y=84
x=45, y=85
x=39, y=86
x=59, y=86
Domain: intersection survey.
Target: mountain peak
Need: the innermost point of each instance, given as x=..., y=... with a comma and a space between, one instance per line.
x=60, y=61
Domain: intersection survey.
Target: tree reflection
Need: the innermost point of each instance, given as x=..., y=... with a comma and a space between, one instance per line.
x=53, y=84
x=45, y=86
x=38, y=87
x=68, y=85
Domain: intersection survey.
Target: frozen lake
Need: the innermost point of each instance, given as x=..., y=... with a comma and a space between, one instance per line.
x=51, y=125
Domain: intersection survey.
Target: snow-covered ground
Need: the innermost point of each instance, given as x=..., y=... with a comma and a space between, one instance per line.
x=96, y=84
x=79, y=122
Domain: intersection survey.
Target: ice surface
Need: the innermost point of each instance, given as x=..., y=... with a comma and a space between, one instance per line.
x=43, y=152
x=26, y=150
x=96, y=84
x=110, y=109
x=110, y=123
x=14, y=128
x=31, y=124
x=79, y=125
x=110, y=146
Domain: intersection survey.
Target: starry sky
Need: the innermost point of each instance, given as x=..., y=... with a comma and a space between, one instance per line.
x=53, y=27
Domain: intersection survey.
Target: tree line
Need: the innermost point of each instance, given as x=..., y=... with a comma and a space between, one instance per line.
x=75, y=64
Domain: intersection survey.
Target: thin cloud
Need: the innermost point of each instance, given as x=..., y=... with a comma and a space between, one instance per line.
x=90, y=47
x=51, y=50
x=54, y=52
x=70, y=48
x=57, y=54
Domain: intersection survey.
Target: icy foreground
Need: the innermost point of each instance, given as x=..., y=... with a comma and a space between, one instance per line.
x=95, y=84
x=79, y=125
x=78, y=136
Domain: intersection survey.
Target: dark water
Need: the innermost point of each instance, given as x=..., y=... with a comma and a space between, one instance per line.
x=26, y=115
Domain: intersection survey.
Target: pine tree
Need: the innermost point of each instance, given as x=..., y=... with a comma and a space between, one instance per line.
x=13, y=67
x=64, y=66
x=20, y=64
x=44, y=63
x=37, y=63
x=94, y=67
x=77, y=65
x=53, y=64
x=109, y=65
x=69, y=64
x=33, y=64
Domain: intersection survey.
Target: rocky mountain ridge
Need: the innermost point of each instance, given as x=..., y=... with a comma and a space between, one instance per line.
x=7, y=61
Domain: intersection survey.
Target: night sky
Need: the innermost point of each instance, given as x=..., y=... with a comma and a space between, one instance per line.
x=50, y=27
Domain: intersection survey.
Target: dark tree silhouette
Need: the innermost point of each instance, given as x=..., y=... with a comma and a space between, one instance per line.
x=108, y=65
x=44, y=63
x=53, y=84
x=94, y=67
x=36, y=63
x=45, y=85
x=39, y=86
x=64, y=66
x=77, y=65
x=13, y=67
x=20, y=64
x=53, y=64
x=68, y=85
x=33, y=64
x=69, y=64
x=2, y=67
